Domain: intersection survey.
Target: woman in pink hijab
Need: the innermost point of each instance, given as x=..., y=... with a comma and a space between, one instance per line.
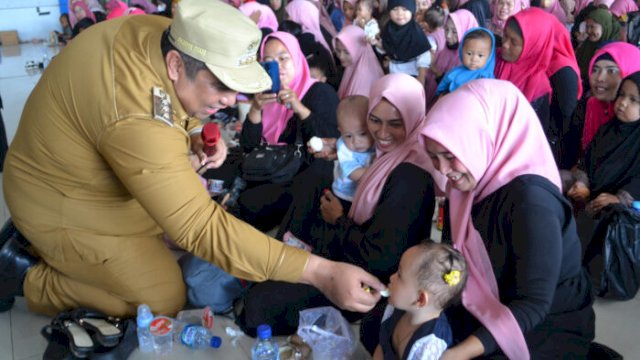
x=527, y=295
x=458, y=23
x=389, y=213
x=79, y=10
x=307, y=15
x=303, y=105
x=267, y=18
x=502, y=10
x=361, y=67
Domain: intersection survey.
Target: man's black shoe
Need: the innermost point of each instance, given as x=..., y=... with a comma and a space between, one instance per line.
x=15, y=260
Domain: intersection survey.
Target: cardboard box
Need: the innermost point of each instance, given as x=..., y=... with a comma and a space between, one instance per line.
x=9, y=37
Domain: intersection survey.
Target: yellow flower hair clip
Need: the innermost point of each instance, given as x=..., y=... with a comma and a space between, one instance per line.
x=452, y=278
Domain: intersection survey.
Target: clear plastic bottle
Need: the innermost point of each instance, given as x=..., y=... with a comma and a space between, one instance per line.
x=265, y=348
x=143, y=320
x=196, y=337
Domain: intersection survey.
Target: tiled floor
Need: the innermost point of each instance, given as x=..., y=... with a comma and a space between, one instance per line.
x=617, y=323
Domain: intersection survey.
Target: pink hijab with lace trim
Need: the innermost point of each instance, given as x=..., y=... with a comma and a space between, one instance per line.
x=502, y=140
x=405, y=93
x=275, y=116
x=446, y=59
x=364, y=69
x=267, y=17
x=307, y=15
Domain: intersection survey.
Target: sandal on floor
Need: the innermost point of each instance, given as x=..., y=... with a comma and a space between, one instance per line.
x=67, y=333
x=99, y=325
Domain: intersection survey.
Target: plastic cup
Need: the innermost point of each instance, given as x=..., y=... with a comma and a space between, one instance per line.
x=162, y=330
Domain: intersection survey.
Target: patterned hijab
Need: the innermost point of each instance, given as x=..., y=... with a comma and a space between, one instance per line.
x=503, y=139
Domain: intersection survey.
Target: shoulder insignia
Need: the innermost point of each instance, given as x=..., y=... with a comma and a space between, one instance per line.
x=162, y=106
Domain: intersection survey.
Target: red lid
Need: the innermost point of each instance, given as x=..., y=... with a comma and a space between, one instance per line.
x=210, y=134
x=161, y=325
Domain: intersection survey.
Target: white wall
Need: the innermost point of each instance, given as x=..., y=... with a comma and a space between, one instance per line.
x=22, y=15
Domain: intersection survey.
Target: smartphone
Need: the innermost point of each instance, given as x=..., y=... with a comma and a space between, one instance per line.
x=271, y=67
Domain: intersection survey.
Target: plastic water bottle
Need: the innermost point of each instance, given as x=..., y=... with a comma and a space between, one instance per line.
x=265, y=348
x=197, y=337
x=143, y=320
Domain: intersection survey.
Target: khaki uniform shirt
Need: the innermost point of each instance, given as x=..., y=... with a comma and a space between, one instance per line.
x=90, y=159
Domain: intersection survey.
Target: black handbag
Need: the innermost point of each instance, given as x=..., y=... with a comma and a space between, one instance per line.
x=273, y=163
x=612, y=256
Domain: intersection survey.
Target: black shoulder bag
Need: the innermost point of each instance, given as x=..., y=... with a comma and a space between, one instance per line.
x=273, y=163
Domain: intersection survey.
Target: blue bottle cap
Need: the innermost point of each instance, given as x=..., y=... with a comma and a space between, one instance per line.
x=636, y=205
x=215, y=342
x=145, y=316
x=264, y=331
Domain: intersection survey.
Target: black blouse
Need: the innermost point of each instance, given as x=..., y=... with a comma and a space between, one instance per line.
x=321, y=100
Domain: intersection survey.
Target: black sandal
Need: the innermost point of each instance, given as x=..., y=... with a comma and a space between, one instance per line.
x=65, y=332
x=101, y=326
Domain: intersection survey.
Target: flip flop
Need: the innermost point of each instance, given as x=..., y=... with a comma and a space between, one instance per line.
x=99, y=325
x=77, y=338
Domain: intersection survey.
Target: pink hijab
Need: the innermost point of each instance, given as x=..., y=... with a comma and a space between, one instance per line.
x=404, y=92
x=529, y=71
x=622, y=7
x=267, y=16
x=557, y=11
x=148, y=6
x=275, y=116
x=446, y=59
x=307, y=15
x=503, y=139
x=598, y=113
x=325, y=19
x=119, y=8
x=72, y=14
x=364, y=69
x=563, y=54
x=497, y=24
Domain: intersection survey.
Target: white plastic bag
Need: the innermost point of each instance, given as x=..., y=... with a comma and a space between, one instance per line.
x=327, y=333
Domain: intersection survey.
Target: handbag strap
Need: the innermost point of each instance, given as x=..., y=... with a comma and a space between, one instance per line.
x=299, y=143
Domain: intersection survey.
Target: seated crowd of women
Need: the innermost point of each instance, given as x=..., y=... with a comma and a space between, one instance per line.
x=483, y=103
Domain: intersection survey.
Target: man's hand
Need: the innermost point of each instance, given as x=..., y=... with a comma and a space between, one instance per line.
x=330, y=207
x=342, y=283
x=204, y=162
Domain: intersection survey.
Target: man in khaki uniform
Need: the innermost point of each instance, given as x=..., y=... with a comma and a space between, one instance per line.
x=100, y=168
